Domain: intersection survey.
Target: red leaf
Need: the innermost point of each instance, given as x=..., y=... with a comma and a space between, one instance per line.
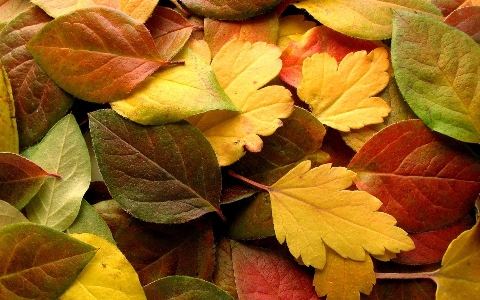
x=418, y=174
x=261, y=275
x=467, y=20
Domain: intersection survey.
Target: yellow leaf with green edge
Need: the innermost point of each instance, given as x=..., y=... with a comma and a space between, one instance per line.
x=458, y=278
x=107, y=276
x=175, y=93
x=8, y=123
x=340, y=96
x=292, y=28
x=365, y=19
x=242, y=69
x=343, y=278
x=311, y=207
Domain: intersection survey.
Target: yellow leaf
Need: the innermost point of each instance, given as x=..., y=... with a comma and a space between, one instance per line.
x=310, y=208
x=8, y=123
x=139, y=9
x=341, y=96
x=242, y=69
x=292, y=28
x=107, y=276
x=344, y=279
x=458, y=278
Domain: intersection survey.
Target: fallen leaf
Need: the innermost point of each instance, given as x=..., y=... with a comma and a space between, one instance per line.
x=10, y=215
x=9, y=9
x=467, y=20
x=8, y=123
x=224, y=276
x=229, y=9
x=292, y=28
x=31, y=256
x=417, y=174
x=110, y=57
x=447, y=6
x=242, y=69
x=437, y=74
x=107, y=276
x=341, y=95
x=420, y=289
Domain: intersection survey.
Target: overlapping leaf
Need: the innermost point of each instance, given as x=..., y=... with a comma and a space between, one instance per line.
x=291, y=28
x=8, y=123
x=467, y=20
x=10, y=215
x=438, y=74
x=110, y=58
x=173, y=178
x=224, y=276
x=229, y=9
x=341, y=96
x=9, y=9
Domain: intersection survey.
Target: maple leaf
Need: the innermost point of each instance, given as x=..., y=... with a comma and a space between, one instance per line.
x=242, y=69
x=341, y=96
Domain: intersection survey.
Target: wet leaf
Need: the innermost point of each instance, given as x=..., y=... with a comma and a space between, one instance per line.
x=8, y=123
x=229, y=9
x=10, y=215
x=467, y=20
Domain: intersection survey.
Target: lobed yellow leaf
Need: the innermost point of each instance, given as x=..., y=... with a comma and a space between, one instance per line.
x=8, y=124
x=340, y=96
x=292, y=28
x=107, y=276
x=343, y=278
x=242, y=69
x=310, y=208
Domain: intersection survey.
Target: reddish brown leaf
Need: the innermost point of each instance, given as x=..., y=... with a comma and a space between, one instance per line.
x=317, y=40
x=261, y=275
x=229, y=9
x=467, y=20
x=418, y=174
x=223, y=276
x=97, y=54
x=9, y=9
x=39, y=102
x=423, y=289
x=447, y=6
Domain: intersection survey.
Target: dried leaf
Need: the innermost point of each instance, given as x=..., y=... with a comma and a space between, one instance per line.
x=8, y=123
x=229, y=9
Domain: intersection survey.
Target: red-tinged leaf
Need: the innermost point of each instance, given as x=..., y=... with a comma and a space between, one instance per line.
x=317, y=40
x=9, y=9
x=282, y=6
x=39, y=262
x=161, y=174
x=223, y=276
x=263, y=28
x=170, y=31
x=229, y=9
x=447, y=6
x=20, y=179
x=418, y=174
x=261, y=274
x=431, y=246
x=421, y=289
x=467, y=20
x=39, y=102
x=183, y=287
x=97, y=54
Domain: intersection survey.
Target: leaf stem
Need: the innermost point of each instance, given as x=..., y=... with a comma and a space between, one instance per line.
x=256, y=184
x=419, y=275
x=54, y=175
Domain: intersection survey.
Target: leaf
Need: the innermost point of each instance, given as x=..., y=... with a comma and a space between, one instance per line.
x=365, y=19
x=166, y=96
x=467, y=20
x=310, y=208
x=346, y=104
x=39, y=102
x=112, y=53
x=344, y=279
x=140, y=10
x=107, y=276
x=20, y=179
x=62, y=151
x=10, y=215
x=170, y=31
x=156, y=250
x=262, y=274
x=420, y=289
x=263, y=28
x=224, y=277
x=9, y=9
x=417, y=174
x=447, y=6
x=242, y=69
x=291, y=28
x=161, y=174
x=39, y=262
x=317, y=40
x=458, y=276
x=8, y=123
x=89, y=221
x=229, y=9
x=183, y=287
x=438, y=80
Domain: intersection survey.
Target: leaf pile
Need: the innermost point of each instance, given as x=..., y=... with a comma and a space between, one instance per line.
x=207, y=149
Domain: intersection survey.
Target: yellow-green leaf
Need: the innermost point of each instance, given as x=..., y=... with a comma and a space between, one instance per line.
x=292, y=28
x=311, y=207
x=8, y=123
x=242, y=69
x=107, y=276
x=340, y=96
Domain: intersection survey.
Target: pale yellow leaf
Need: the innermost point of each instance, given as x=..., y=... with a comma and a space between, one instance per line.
x=107, y=276
x=242, y=69
x=343, y=278
x=8, y=123
x=387, y=256
x=138, y=9
x=292, y=28
x=311, y=207
x=340, y=96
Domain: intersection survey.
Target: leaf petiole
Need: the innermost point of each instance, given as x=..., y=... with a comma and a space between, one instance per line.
x=256, y=184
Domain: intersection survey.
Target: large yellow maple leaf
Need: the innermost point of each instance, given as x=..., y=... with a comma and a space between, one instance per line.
x=242, y=69
x=340, y=96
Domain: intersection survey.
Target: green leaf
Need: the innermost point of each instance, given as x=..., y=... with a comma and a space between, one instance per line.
x=10, y=215
x=437, y=68
x=161, y=174
x=62, y=151
x=39, y=262
x=8, y=123
x=89, y=221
